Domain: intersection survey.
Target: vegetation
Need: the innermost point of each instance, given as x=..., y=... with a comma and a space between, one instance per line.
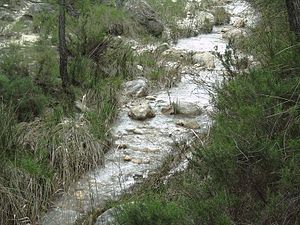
x=245, y=172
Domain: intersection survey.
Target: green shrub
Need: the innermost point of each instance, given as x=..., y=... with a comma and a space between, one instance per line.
x=151, y=212
x=249, y=152
x=27, y=98
x=14, y=63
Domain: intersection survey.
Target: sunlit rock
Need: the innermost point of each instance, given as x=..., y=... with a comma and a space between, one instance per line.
x=142, y=111
x=136, y=88
x=204, y=59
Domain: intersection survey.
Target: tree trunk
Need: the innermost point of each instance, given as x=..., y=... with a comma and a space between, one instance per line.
x=63, y=53
x=293, y=8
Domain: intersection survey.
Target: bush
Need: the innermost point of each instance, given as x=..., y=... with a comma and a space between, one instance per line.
x=151, y=212
x=251, y=147
x=14, y=62
x=27, y=98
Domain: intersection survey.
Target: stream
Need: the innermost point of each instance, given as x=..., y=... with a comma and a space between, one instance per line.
x=141, y=147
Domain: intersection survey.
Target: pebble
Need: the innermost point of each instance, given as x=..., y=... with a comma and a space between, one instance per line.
x=127, y=158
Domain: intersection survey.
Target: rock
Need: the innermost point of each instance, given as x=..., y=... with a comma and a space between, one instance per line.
x=239, y=23
x=145, y=15
x=127, y=158
x=187, y=108
x=137, y=161
x=136, y=88
x=233, y=34
x=142, y=111
x=188, y=123
x=184, y=108
x=204, y=59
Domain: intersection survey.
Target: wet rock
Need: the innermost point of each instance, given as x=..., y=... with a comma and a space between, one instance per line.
x=204, y=59
x=145, y=15
x=136, y=88
x=142, y=111
x=188, y=123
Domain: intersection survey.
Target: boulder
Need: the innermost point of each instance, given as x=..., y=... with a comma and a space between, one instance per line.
x=233, y=34
x=136, y=88
x=183, y=108
x=204, y=59
x=141, y=111
x=145, y=15
x=188, y=109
